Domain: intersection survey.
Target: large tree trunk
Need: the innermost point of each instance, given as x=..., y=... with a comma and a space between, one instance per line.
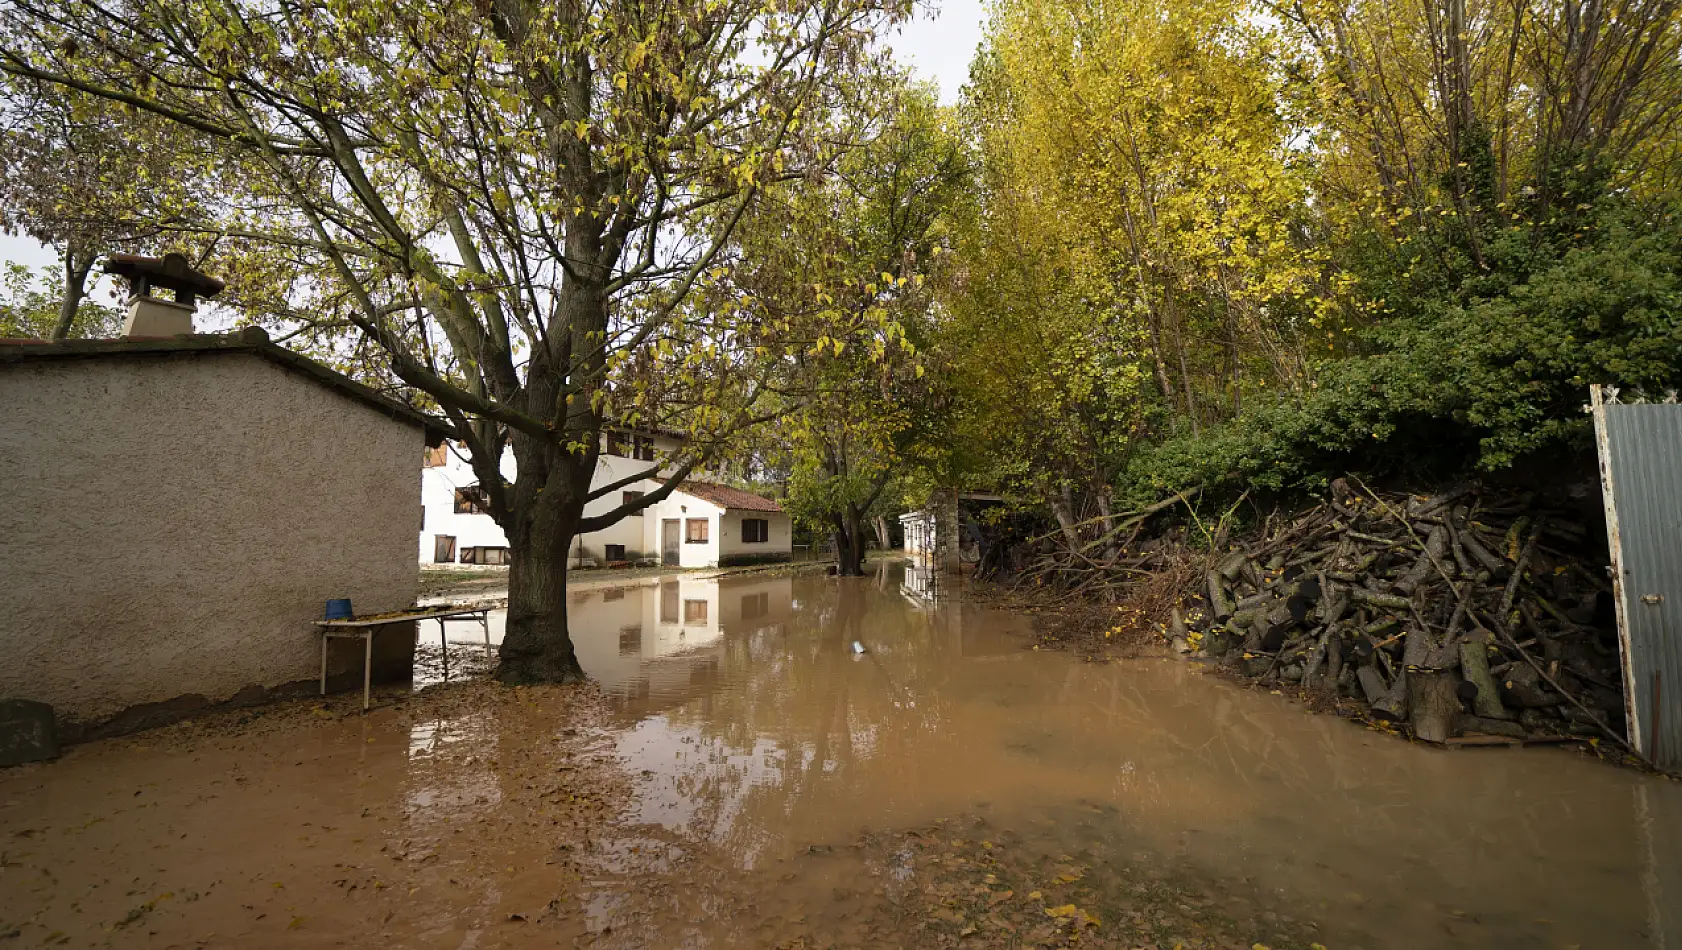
x=849, y=543
x=536, y=645
x=550, y=489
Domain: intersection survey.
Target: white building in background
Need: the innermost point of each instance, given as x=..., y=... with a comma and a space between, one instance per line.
x=703, y=524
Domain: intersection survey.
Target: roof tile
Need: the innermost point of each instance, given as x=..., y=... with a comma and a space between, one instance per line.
x=726, y=497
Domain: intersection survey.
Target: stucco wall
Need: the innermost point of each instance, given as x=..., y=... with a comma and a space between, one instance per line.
x=779, y=540
x=681, y=507
x=174, y=524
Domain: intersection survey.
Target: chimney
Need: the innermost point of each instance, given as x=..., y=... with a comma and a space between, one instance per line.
x=150, y=316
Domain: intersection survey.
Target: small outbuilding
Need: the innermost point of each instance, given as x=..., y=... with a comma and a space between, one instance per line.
x=180, y=508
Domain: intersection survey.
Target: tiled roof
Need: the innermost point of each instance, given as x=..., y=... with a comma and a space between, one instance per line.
x=248, y=340
x=726, y=497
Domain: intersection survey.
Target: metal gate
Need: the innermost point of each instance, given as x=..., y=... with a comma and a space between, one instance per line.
x=1640, y=447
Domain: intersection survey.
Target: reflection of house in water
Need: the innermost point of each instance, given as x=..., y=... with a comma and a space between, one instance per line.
x=665, y=638
x=921, y=582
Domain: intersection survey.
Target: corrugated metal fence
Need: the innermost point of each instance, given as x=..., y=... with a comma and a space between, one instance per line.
x=1640, y=447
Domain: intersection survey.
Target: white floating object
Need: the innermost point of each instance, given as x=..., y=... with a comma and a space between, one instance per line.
x=858, y=647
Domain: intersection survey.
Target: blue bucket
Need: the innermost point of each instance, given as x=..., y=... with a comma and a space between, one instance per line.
x=339, y=610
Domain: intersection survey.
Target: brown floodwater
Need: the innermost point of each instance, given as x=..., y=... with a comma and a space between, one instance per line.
x=746, y=744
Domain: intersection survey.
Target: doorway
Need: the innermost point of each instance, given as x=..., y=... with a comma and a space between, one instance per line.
x=669, y=541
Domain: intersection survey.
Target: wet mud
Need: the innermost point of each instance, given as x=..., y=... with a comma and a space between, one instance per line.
x=739, y=775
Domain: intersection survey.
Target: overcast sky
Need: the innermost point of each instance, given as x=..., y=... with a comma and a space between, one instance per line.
x=941, y=41
x=939, y=44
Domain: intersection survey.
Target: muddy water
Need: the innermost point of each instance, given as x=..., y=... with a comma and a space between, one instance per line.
x=762, y=732
x=749, y=745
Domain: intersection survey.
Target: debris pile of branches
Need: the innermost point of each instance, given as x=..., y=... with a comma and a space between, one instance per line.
x=1468, y=620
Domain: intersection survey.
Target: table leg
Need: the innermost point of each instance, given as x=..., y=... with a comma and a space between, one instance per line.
x=367, y=666
x=324, y=639
x=444, y=648
x=485, y=622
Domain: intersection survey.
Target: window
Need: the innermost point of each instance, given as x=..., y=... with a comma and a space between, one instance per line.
x=615, y=552
x=695, y=531
x=613, y=443
x=436, y=457
x=755, y=606
x=613, y=593
x=471, y=501
x=642, y=447
x=484, y=555
x=626, y=498
x=630, y=639
x=756, y=530
x=694, y=611
x=443, y=549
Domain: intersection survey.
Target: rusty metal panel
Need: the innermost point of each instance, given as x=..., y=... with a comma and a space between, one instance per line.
x=1640, y=447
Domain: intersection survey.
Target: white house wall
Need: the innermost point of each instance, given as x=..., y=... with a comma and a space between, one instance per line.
x=682, y=507
x=779, y=535
x=439, y=485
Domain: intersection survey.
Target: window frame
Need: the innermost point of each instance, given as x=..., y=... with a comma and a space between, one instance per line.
x=762, y=529
x=689, y=530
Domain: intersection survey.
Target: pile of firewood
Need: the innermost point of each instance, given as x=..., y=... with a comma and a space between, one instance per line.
x=1455, y=615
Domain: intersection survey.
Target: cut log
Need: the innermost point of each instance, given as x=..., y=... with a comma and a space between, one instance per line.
x=1393, y=705
x=1474, y=665
x=1232, y=565
x=1433, y=704
x=1436, y=545
x=1493, y=727
x=1372, y=684
x=1177, y=632
x=1422, y=507
x=1366, y=595
x=1316, y=656
x=1496, y=567
x=1523, y=687
x=1220, y=606
x=1417, y=649
x=1333, y=602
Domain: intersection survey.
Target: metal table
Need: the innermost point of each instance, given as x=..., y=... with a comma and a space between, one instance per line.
x=364, y=630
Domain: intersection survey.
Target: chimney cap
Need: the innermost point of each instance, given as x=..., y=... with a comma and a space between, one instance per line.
x=171, y=272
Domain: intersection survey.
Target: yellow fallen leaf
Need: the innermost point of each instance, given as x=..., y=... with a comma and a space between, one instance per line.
x=1067, y=910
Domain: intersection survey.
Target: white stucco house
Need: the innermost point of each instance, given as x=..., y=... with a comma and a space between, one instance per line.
x=702, y=524
x=180, y=510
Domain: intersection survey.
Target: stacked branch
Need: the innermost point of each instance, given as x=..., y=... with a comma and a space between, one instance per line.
x=1456, y=616
x=1450, y=615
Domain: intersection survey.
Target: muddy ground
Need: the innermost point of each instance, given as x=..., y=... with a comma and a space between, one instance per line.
x=475, y=815
x=738, y=775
